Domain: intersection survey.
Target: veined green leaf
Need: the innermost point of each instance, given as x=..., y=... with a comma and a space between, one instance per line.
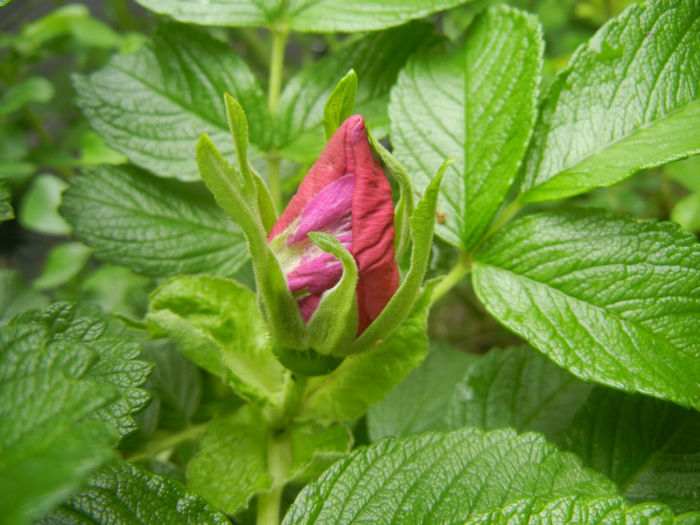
x=446, y=478
x=123, y=493
x=376, y=59
x=650, y=448
x=153, y=105
x=475, y=101
x=133, y=219
x=628, y=101
x=612, y=299
x=312, y=16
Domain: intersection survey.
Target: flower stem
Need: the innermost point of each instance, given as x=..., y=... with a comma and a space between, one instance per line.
x=278, y=460
x=153, y=448
x=279, y=43
x=455, y=275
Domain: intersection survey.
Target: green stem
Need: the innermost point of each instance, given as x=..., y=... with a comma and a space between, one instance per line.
x=278, y=462
x=455, y=275
x=273, y=178
x=155, y=447
x=508, y=213
x=279, y=42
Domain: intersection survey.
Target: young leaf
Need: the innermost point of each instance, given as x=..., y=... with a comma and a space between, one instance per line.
x=123, y=493
x=446, y=478
x=419, y=402
x=650, y=448
x=217, y=325
x=153, y=105
x=376, y=59
x=476, y=102
x=340, y=103
x=610, y=298
x=160, y=229
x=516, y=387
x=627, y=101
x=6, y=211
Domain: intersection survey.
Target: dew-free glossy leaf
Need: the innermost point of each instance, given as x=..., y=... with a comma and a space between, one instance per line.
x=629, y=100
x=445, y=478
x=612, y=299
x=124, y=493
x=650, y=448
x=153, y=105
x=376, y=59
x=152, y=226
x=475, y=101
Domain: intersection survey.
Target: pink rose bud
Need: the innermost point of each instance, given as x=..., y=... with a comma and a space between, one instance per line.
x=347, y=195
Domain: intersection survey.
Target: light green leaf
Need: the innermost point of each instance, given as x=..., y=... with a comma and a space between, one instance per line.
x=419, y=402
x=16, y=297
x=117, y=290
x=94, y=150
x=516, y=387
x=627, y=101
x=154, y=227
x=340, y=103
x=686, y=212
x=376, y=60
x=445, y=478
x=63, y=263
x=153, y=105
x=32, y=89
x=315, y=447
x=38, y=210
x=475, y=101
x=650, y=448
x=610, y=298
x=217, y=325
x=312, y=16
x=686, y=172
x=6, y=211
x=123, y=493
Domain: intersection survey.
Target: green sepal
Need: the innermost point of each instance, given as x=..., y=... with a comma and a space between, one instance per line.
x=340, y=103
x=404, y=208
x=306, y=362
x=422, y=225
x=334, y=323
x=277, y=304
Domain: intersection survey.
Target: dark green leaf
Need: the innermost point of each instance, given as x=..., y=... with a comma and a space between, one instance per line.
x=475, y=101
x=152, y=226
x=627, y=101
x=612, y=299
x=123, y=493
x=152, y=105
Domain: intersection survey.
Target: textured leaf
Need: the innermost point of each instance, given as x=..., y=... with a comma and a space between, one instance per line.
x=133, y=219
x=313, y=16
x=123, y=493
x=650, y=448
x=6, y=211
x=627, y=101
x=475, y=101
x=445, y=478
x=16, y=297
x=516, y=387
x=217, y=325
x=39, y=208
x=419, y=402
x=63, y=263
x=376, y=59
x=152, y=105
x=64, y=382
x=610, y=298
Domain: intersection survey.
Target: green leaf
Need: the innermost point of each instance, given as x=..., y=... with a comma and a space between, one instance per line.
x=445, y=478
x=475, y=101
x=63, y=385
x=686, y=212
x=6, y=211
x=123, y=493
x=336, y=396
x=38, y=210
x=516, y=387
x=16, y=297
x=686, y=172
x=217, y=325
x=650, y=448
x=232, y=465
x=340, y=103
x=153, y=105
x=419, y=402
x=117, y=366
x=154, y=227
x=376, y=60
x=117, y=290
x=32, y=89
x=63, y=263
x=627, y=101
x=610, y=298
x=311, y=16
